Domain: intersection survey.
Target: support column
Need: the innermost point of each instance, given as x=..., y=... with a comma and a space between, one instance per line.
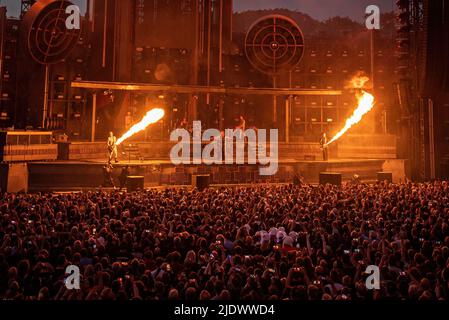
x=287, y=119
x=192, y=113
x=275, y=114
x=431, y=140
x=221, y=114
x=94, y=116
x=220, y=46
x=46, y=89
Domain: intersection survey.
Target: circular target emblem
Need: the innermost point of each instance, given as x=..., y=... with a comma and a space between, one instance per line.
x=274, y=44
x=47, y=37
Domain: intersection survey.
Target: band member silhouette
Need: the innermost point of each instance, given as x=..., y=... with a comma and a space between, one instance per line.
x=112, y=147
x=107, y=175
x=123, y=178
x=324, y=146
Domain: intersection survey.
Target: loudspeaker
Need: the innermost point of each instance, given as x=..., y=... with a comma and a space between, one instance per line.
x=135, y=183
x=63, y=150
x=382, y=176
x=156, y=20
x=331, y=178
x=201, y=182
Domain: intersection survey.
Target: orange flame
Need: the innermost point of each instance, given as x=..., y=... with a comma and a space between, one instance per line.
x=366, y=104
x=151, y=117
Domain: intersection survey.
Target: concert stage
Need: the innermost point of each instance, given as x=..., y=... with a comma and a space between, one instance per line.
x=88, y=175
x=84, y=168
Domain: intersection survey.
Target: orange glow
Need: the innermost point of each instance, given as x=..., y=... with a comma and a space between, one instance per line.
x=366, y=104
x=358, y=82
x=151, y=117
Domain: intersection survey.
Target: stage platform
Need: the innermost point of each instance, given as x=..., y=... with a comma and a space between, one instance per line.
x=364, y=155
x=88, y=175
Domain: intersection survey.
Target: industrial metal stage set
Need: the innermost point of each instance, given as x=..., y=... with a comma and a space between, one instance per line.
x=63, y=90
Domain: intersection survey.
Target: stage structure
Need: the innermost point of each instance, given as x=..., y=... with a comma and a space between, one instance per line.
x=423, y=85
x=132, y=42
x=134, y=87
x=274, y=46
x=276, y=70
x=37, y=55
x=47, y=38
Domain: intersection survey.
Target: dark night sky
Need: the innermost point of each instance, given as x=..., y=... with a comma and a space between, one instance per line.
x=318, y=9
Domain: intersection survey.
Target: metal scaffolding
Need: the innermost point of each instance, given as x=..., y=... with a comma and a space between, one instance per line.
x=25, y=6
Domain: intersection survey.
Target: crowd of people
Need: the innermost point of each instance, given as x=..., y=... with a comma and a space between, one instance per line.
x=243, y=243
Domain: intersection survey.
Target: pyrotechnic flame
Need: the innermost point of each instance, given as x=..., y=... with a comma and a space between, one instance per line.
x=151, y=117
x=366, y=104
